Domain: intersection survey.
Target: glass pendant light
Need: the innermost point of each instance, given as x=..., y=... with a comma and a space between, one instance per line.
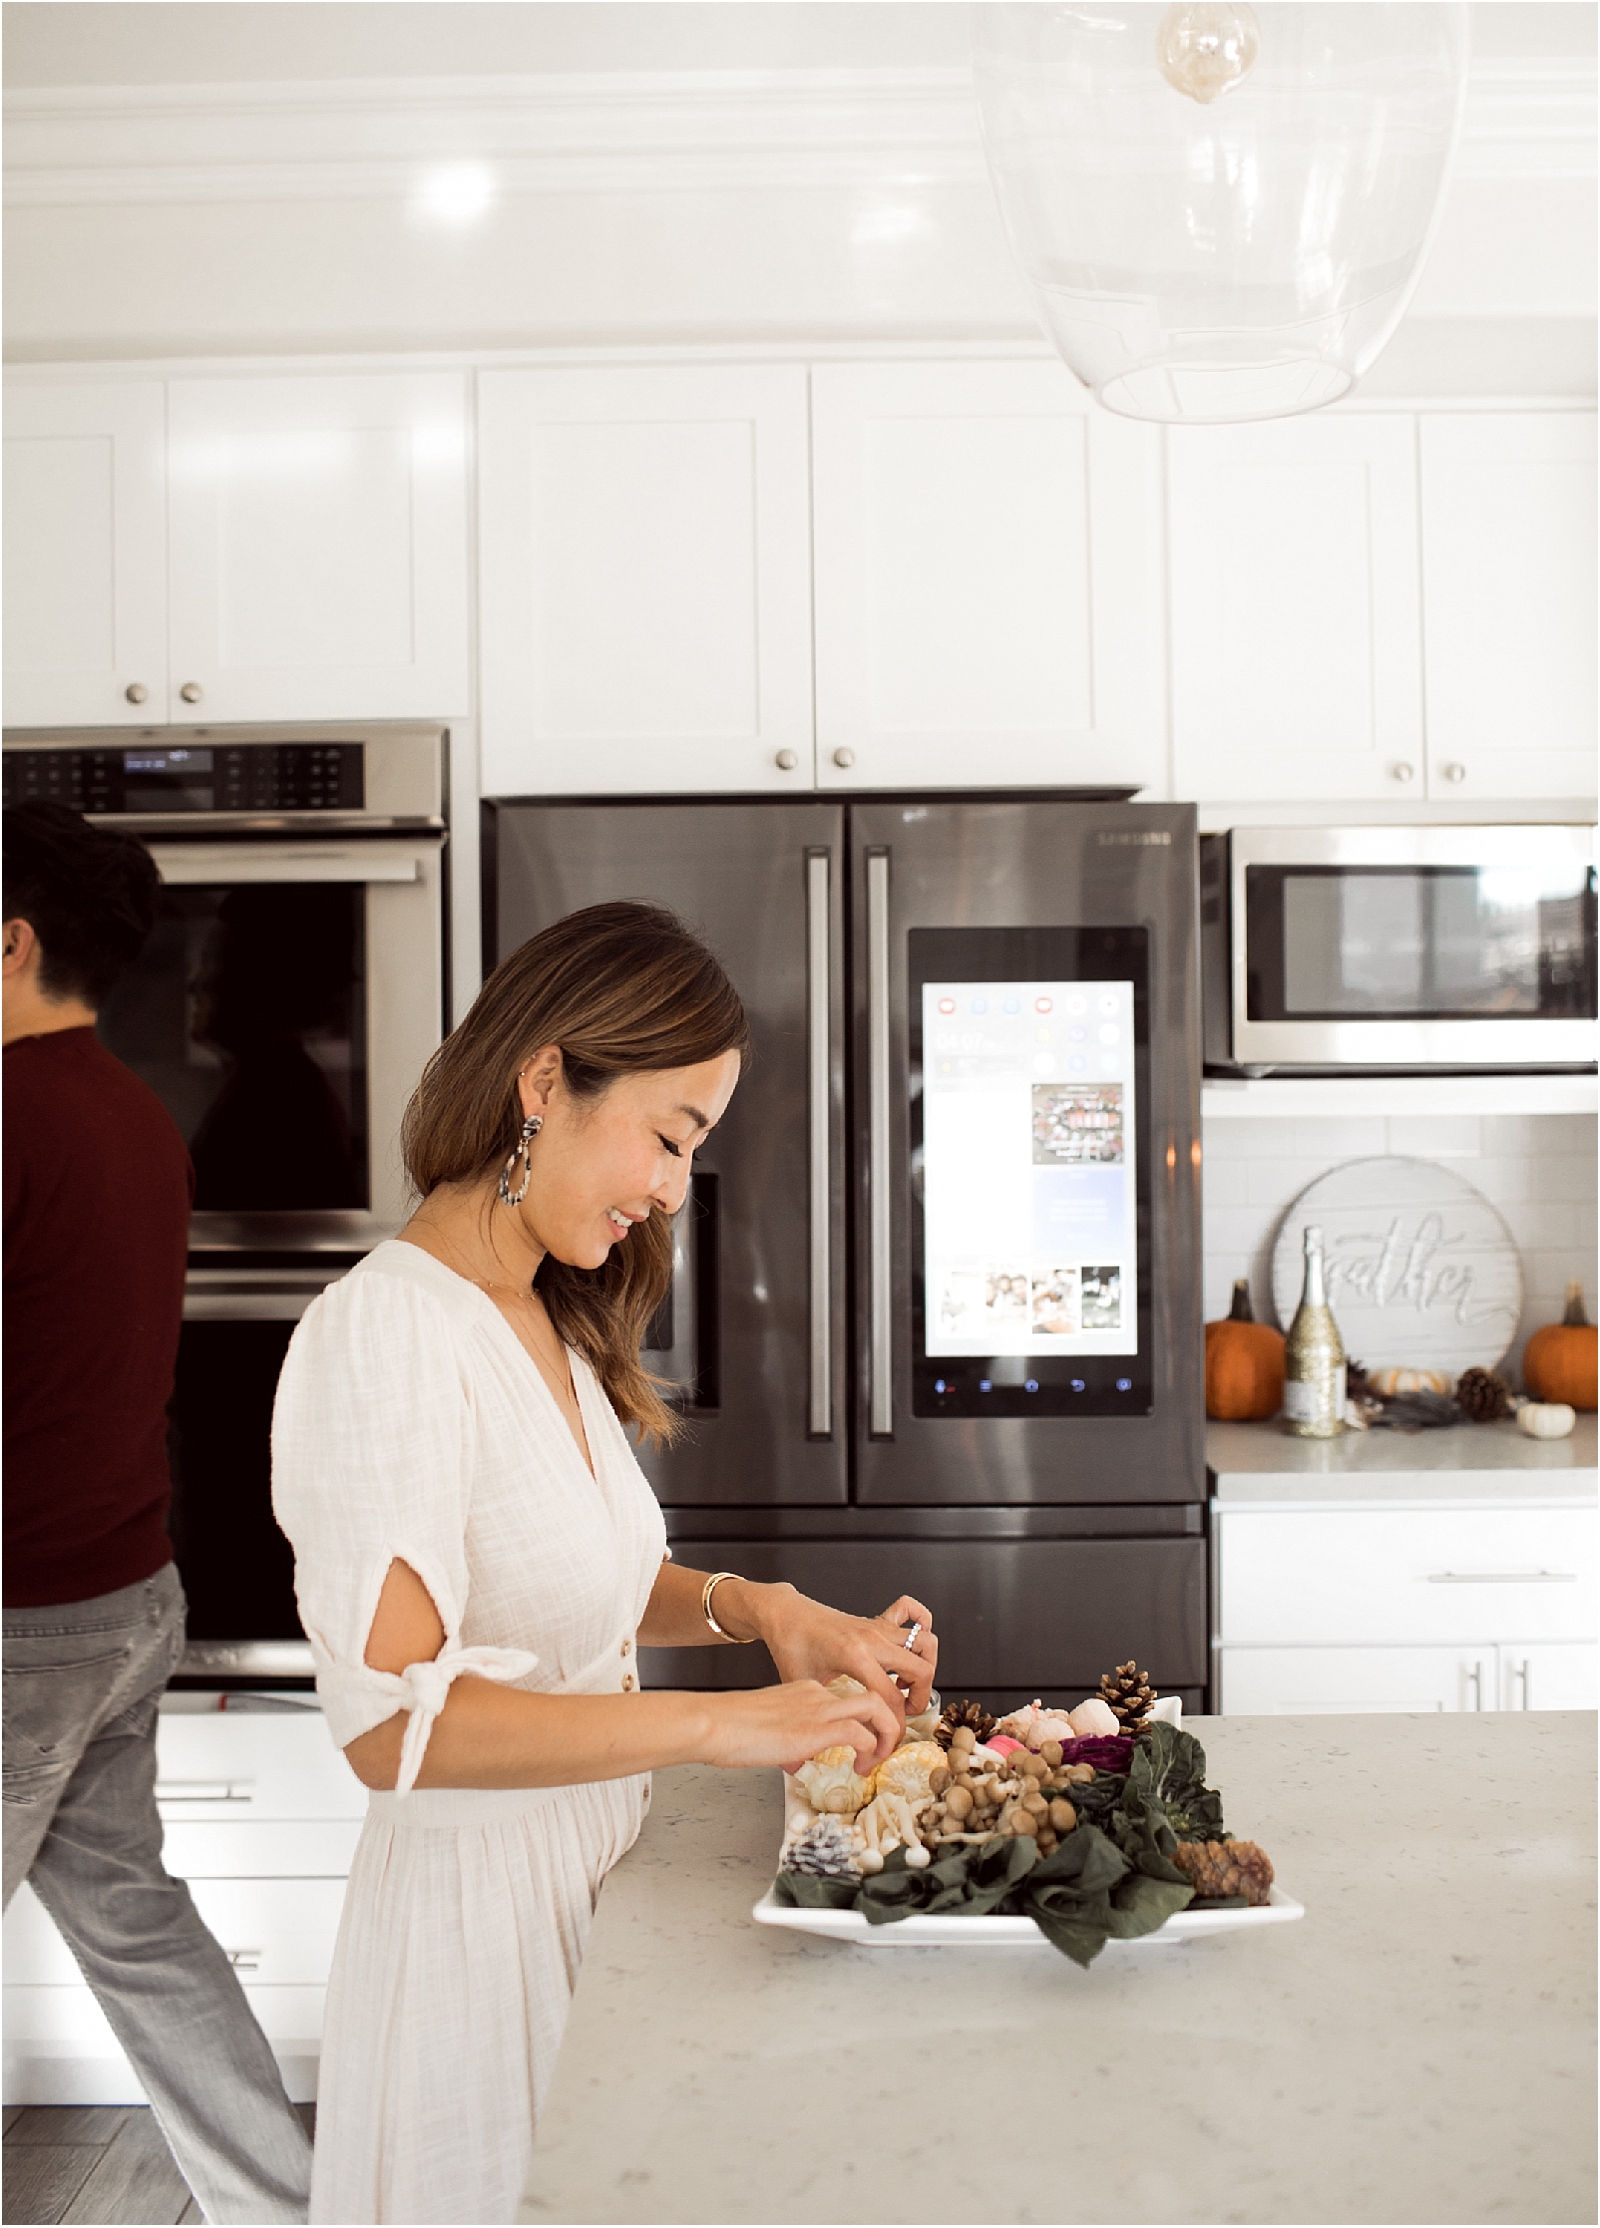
x=1222, y=209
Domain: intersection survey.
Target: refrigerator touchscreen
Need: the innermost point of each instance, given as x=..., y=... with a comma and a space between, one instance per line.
x=1030, y=1171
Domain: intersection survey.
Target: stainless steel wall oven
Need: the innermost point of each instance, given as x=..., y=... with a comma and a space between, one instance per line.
x=282, y=1009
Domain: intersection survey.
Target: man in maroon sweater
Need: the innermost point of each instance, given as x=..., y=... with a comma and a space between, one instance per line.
x=97, y=1192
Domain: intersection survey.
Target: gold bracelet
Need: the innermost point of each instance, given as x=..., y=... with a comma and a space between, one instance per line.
x=713, y=1581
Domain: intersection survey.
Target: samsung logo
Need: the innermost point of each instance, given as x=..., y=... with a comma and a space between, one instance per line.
x=1134, y=835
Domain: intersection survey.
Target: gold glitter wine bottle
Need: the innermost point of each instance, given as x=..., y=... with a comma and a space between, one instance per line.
x=1313, y=1360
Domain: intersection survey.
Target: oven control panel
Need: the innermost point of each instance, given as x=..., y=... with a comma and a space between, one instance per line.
x=166, y=778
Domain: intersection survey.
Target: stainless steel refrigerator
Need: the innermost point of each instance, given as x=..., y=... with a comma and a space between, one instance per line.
x=935, y=1321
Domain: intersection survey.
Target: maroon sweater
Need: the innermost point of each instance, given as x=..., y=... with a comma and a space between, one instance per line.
x=97, y=1192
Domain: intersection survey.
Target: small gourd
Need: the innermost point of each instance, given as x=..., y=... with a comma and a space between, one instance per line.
x=1387, y=1382
x=1244, y=1364
x=1545, y=1419
x=1558, y=1363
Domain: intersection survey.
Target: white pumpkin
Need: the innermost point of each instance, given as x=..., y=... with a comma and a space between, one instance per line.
x=1546, y=1419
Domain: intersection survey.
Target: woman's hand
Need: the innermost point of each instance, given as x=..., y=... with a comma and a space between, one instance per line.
x=787, y=1725
x=808, y=1640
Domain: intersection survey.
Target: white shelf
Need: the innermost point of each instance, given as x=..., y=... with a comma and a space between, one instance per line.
x=1227, y=1099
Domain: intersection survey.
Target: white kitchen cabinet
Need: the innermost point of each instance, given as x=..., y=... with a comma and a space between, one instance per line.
x=260, y=549
x=261, y=1816
x=1291, y=1682
x=318, y=547
x=1313, y=1682
x=1295, y=610
x=1509, y=596
x=1549, y=1675
x=988, y=591
x=645, y=580
x=85, y=554
x=1445, y=1607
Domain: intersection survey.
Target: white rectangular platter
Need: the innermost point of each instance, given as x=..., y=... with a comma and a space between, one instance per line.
x=944, y=1931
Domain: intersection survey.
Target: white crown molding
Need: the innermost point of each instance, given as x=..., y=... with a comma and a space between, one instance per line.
x=375, y=138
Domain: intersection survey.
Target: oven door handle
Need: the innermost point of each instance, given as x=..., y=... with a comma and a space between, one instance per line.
x=205, y=865
x=253, y=1295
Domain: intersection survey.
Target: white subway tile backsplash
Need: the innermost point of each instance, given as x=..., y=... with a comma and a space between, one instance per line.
x=1273, y=1183
x=1226, y=1184
x=1435, y=1136
x=1235, y=1137
x=1539, y=1133
x=1336, y=1138
x=1538, y=1169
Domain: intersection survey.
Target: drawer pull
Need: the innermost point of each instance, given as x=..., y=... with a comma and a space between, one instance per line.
x=204, y=1791
x=245, y=1961
x=1502, y=1578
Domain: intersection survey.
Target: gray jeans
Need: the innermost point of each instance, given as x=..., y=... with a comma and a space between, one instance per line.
x=82, y=1683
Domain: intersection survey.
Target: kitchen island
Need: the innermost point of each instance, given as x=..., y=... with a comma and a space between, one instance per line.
x=1419, y=2048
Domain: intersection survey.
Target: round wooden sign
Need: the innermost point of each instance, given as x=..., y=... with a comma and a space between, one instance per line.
x=1422, y=1272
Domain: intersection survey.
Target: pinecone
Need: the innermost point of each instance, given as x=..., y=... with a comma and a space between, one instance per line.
x=1356, y=1382
x=1130, y=1696
x=958, y=1714
x=825, y=1849
x=1482, y=1396
x=1226, y=1868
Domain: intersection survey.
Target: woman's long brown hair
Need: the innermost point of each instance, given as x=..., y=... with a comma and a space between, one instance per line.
x=623, y=990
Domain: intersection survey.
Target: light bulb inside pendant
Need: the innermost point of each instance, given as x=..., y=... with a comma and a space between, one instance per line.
x=1207, y=49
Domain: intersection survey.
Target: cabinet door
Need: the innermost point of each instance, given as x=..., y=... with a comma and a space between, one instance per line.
x=644, y=566
x=1296, y=630
x=319, y=547
x=1340, y=1682
x=1549, y=1675
x=85, y=555
x=987, y=581
x=1509, y=592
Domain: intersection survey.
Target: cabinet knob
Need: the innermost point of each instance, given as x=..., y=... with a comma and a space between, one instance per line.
x=1402, y=769
x=191, y=692
x=844, y=757
x=788, y=760
x=1455, y=772
x=136, y=692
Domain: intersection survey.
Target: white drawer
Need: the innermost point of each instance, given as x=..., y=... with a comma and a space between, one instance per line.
x=1291, y=1577
x=53, y=2018
x=220, y=1767
x=263, y=1849
x=277, y=1932
x=1294, y=1682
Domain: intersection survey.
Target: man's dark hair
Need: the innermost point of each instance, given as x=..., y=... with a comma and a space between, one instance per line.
x=90, y=896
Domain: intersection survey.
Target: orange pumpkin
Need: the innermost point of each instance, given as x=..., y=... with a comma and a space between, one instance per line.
x=1558, y=1362
x=1244, y=1364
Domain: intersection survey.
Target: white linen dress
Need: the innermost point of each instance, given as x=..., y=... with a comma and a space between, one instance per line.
x=411, y=1423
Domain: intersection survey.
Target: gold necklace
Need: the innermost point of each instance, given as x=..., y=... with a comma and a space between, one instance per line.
x=537, y=1314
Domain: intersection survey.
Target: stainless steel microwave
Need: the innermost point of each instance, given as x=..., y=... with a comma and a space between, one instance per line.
x=1398, y=949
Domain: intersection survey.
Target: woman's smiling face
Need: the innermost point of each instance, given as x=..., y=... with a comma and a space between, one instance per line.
x=599, y=1165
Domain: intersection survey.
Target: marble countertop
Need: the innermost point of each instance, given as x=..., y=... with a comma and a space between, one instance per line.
x=1419, y=2048
x=1492, y=1461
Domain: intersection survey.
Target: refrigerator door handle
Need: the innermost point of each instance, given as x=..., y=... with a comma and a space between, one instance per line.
x=819, y=1095
x=880, y=1206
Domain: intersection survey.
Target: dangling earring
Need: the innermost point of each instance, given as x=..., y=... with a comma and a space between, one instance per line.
x=530, y=1130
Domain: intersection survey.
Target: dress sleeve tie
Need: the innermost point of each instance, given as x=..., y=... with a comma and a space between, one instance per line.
x=422, y=1689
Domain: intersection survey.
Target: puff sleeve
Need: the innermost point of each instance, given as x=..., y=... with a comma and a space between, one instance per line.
x=372, y=1460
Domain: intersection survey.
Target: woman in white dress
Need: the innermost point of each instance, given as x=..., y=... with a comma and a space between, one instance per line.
x=478, y=1557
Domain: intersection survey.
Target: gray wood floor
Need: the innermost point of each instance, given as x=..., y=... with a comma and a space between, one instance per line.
x=93, y=2162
